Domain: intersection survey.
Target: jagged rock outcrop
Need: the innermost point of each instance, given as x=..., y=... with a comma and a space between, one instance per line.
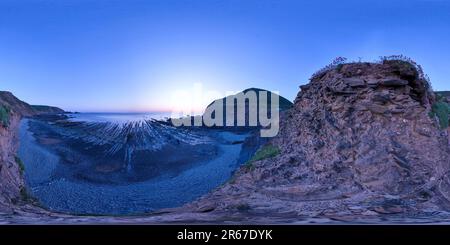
x=359, y=140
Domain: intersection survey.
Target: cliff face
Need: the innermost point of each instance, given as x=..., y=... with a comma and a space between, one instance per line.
x=8, y=100
x=359, y=140
x=11, y=179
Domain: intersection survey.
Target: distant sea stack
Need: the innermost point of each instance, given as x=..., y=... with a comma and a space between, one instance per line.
x=12, y=110
x=362, y=139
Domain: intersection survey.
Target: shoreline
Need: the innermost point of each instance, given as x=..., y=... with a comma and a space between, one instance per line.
x=65, y=195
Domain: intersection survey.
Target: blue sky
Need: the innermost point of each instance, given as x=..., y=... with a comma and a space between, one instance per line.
x=113, y=55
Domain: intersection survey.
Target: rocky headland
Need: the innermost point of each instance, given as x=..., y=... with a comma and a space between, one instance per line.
x=363, y=140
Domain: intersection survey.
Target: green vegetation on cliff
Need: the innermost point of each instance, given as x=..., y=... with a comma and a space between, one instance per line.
x=4, y=116
x=20, y=164
x=265, y=152
x=441, y=110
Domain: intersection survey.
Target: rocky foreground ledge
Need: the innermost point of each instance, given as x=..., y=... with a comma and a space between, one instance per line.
x=364, y=143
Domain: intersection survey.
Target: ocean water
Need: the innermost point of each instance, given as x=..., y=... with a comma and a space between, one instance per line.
x=117, y=117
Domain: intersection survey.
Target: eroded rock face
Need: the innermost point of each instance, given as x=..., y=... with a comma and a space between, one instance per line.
x=358, y=141
x=11, y=180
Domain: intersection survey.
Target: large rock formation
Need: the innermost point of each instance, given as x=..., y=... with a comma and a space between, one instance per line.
x=359, y=140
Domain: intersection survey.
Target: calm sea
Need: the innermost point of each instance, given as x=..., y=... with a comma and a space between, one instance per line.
x=118, y=117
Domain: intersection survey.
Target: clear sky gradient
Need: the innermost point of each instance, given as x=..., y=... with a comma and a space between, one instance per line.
x=130, y=55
